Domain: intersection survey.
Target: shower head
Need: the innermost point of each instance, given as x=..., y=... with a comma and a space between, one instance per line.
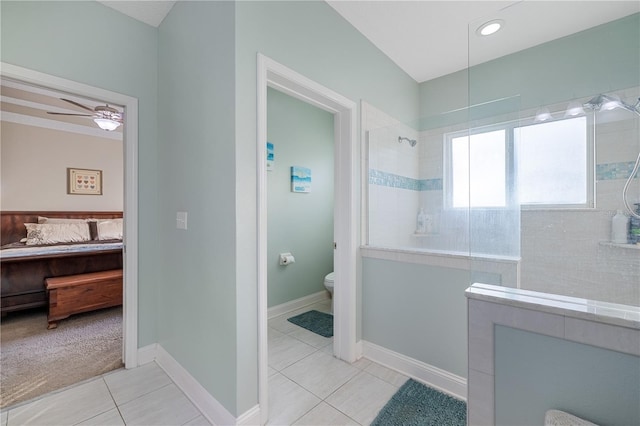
x=609, y=102
x=412, y=142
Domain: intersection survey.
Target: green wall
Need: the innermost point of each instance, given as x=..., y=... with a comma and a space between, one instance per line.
x=197, y=299
x=300, y=223
x=61, y=39
x=535, y=373
x=598, y=60
x=314, y=40
x=417, y=310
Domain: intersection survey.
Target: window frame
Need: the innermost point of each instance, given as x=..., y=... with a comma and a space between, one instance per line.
x=510, y=165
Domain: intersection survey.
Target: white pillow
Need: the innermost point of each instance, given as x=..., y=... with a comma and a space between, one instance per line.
x=52, y=233
x=42, y=219
x=110, y=229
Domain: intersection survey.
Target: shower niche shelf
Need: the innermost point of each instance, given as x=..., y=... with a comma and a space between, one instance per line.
x=618, y=245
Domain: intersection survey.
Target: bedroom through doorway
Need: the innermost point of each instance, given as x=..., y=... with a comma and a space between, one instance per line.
x=63, y=174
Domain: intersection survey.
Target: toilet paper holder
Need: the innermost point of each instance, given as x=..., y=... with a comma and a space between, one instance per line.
x=286, y=259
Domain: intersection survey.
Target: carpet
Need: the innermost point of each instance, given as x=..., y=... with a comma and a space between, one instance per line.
x=318, y=322
x=416, y=404
x=35, y=361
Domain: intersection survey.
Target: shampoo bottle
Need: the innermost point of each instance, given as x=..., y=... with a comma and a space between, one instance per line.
x=421, y=223
x=619, y=226
x=634, y=228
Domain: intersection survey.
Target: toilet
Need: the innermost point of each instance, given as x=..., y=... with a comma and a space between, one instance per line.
x=328, y=284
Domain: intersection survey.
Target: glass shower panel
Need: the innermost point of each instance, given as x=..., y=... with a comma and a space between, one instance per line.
x=573, y=137
x=494, y=214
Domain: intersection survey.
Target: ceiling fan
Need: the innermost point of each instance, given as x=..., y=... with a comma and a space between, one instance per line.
x=106, y=117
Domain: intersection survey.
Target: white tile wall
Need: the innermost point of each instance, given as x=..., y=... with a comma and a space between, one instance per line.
x=392, y=211
x=562, y=253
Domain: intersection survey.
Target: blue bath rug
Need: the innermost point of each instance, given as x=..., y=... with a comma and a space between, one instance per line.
x=418, y=405
x=318, y=322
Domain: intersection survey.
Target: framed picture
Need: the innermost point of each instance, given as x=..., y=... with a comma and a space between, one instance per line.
x=84, y=182
x=300, y=179
x=270, y=156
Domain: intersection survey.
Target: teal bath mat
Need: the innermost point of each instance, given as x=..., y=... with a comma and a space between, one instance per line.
x=416, y=404
x=318, y=322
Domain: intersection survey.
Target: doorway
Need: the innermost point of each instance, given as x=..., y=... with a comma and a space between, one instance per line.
x=277, y=76
x=130, y=191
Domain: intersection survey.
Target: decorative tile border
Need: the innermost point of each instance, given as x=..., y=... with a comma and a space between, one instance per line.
x=607, y=171
x=430, y=184
x=610, y=171
x=380, y=178
x=377, y=177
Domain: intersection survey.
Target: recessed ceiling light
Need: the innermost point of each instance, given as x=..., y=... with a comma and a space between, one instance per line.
x=490, y=27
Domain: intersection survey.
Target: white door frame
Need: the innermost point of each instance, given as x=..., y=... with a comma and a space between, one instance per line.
x=130, y=140
x=283, y=79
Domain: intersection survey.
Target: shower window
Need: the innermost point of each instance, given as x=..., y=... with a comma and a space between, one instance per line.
x=542, y=165
x=483, y=157
x=553, y=163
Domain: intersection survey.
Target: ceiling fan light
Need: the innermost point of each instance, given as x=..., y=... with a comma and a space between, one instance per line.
x=106, y=124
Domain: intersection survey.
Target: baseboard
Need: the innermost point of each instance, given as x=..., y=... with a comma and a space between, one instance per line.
x=147, y=354
x=207, y=404
x=250, y=417
x=359, y=349
x=292, y=305
x=435, y=377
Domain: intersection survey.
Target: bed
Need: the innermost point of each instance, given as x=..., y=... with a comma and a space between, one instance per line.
x=25, y=267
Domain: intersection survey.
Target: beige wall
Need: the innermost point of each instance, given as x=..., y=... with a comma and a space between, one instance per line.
x=34, y=165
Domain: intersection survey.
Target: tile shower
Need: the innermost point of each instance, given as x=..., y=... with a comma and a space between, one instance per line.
x=562, y=251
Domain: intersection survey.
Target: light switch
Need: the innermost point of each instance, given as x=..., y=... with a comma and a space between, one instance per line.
x=181, y=220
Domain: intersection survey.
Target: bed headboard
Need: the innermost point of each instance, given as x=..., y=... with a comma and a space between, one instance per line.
x=12, y=223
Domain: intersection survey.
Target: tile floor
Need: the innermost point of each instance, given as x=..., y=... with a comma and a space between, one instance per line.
x=141, y=396
x=307, y=386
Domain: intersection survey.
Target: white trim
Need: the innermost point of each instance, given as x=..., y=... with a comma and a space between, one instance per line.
x=508, y=267
x=293, y=305
x=250, y=417
x=34, y=105
x=261, y=127
x=130, y=138
x=147, y=354
x=213, y=410
x=359, y=349
x=29, y=120
x=435, y=377
x=278, y=76
x=55, y=94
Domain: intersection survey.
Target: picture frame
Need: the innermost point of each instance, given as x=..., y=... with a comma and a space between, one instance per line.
x=300, y=179
x=270, y=156
x=84, y=181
